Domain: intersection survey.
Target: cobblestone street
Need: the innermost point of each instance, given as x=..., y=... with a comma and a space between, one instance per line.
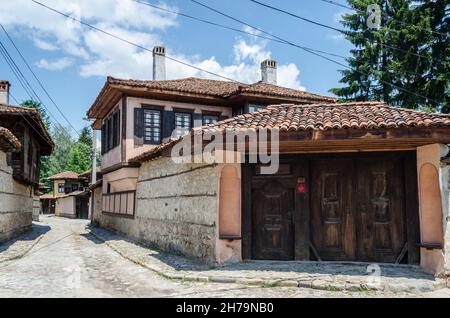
x=70, y=262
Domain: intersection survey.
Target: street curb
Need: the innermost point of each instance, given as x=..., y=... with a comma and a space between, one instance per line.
x=314, y=283
x=25, y=252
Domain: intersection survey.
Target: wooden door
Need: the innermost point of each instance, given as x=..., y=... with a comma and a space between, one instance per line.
x=272, y=220
x=381, y=215
x=332, y=219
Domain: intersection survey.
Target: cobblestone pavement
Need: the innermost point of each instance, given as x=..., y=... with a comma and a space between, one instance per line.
x=335, y=276
x=70, y=262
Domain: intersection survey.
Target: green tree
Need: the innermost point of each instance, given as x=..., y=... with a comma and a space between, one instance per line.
x=38, y=106
x=79, y=158
x=410, y=50
x=86, y=136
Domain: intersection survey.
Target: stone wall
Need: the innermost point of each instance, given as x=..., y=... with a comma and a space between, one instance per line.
x=36, y=208
x=176, y=208
x=16, y=208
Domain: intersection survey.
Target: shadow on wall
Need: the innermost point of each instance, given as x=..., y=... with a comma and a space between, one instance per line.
x=30, y=235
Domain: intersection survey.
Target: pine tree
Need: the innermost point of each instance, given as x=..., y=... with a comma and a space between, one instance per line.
x=38, y=106
x=409, y=51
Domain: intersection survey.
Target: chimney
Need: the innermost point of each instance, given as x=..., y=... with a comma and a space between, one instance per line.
x=4, y=92
x=159, y=63
x=269, y=72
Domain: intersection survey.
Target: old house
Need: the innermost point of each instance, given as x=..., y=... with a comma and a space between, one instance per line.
x=355, y=182
x=24, y=141
x=70, y=196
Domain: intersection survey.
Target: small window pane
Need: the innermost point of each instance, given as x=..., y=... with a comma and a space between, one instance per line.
x=152, y=126
x=183, y=123
x=209, y=119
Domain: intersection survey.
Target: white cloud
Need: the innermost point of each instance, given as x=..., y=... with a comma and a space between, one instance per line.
x=56, y=65
x=101, y=55
x=44, y=45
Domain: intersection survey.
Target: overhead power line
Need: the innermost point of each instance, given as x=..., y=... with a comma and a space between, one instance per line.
x=132, y=43
x=38, y=80
x=337, y=4
x=324, y=57
x=228, y=27
x=218, y=75
x=333, y=28
x=24, y=82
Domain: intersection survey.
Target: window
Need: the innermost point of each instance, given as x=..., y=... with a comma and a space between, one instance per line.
x=252, y=108
x=111, y=132
x=61, y=188
x=183, y=123
x=210, y=119
x=152, y=126
x=74, y=187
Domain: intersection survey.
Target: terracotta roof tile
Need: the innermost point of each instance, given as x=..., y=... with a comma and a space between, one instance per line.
x=66, y=175
x=33, y=118
x=358, y=115
x=209, y=88
x=291, y=118
x=8, y=142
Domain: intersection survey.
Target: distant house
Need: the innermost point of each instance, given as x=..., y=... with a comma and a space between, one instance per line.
x=356, y=182
x=70, y=196
x=24, y=140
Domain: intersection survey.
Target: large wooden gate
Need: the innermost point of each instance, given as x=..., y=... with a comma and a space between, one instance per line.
x=351, y=207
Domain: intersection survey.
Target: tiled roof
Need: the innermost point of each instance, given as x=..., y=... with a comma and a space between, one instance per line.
x=261, y=88
x=48, y=196
x=155, y=152
x=8, y=142
x=33, y=118
x=358, y=115
x=291, y=118
x=186, y=85
x=220, y=90
x=66, y=175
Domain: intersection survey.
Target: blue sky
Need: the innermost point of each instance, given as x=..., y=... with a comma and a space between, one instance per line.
x=72, y=61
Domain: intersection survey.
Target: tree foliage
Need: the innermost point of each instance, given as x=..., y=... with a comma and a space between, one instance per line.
x=405, y=62
x=70, y=154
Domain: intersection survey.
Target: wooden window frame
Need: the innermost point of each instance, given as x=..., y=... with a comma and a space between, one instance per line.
x=61, y=186
x=184, y=112
x=111, y=132
x=152, y=141
x=205, y=115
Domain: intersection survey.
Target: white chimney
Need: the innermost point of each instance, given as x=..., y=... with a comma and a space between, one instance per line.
x=159, y=63
x=4, y=92
x=269, y=72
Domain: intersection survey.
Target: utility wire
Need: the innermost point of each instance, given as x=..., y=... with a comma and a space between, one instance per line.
x=385, y=15
x=228, y=27
x=38, y=80
x=242, y=22
x=324, y=57
x=24, y=82
x=26, y=119
x=333, y=28
x=132, y=43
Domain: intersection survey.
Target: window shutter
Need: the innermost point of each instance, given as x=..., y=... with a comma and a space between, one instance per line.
x=115, y=141
x=198, y=120
x=103, y=139
x=138, y=126
x=110, y=133
x=168, y=123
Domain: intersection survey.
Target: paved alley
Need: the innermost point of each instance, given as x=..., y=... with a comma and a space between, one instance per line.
x=69, y=262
